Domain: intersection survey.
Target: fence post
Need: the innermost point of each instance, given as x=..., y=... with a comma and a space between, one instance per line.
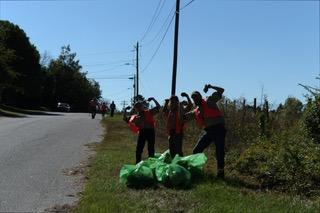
x=267, y=110
x=226, y=107
x=243, y=111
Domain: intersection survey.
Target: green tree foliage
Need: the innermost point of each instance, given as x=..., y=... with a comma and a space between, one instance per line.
x=65, y=82
x=7, y=74
x=290, y=113
x=311, y=118
x=19, y=67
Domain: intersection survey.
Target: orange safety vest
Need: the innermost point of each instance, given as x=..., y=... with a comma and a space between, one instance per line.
x=92, y=103
x=132, y=125
x=208, y=113
x=148, y=119
x=179, y=123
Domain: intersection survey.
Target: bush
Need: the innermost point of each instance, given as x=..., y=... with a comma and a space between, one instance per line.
x=285, y=162
x=311, y=118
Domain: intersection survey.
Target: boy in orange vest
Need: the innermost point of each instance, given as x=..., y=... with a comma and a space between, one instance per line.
x=143, y=123
x=211, y=120
x=174, y=112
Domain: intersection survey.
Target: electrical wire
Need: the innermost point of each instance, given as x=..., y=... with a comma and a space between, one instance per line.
x=186, y=5
x=110, y=63
x=105, y=52
x=155, y=53
x=111, y=78
x=162, y=27
x=106, y=70
x=154, y=18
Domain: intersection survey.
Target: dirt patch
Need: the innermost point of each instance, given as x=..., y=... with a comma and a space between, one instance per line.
x=77, y=170
x=66, y=208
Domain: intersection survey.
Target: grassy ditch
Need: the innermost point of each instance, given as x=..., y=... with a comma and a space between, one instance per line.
x=104, y=193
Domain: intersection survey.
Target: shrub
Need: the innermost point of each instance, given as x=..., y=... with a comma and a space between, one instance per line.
x=287, y=162
x=311, y=118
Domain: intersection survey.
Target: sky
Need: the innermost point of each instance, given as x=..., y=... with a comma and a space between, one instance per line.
x=249, y=47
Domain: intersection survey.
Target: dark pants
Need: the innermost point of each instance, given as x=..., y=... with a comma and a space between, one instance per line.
x=175, y=144
x=93, y=111
x=214, y=134
x=112, y=112
x=145, y=135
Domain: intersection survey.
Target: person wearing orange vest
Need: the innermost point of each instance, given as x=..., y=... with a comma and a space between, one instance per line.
x=143, y=123
x=211, y=120
x=93, y=103
x=174, y=112
x=104, y=109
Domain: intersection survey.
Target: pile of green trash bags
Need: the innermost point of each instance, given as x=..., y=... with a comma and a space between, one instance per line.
x=176, y=172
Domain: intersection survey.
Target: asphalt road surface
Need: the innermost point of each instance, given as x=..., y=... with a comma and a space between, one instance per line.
x=34, y=151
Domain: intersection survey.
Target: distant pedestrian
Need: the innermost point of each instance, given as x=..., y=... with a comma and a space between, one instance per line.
x=209, y=117
x=143, y=123
x=93, y=105
x=112, y=108
x=104, y=109
x=174, y=112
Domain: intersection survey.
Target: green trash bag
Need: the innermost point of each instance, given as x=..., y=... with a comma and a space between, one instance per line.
x=157, y=155
x=141, y=177
x=174, y=175
x=150, y=163
x=160, y=170
x=125, y=171
x=193, y=163
x=165, y=157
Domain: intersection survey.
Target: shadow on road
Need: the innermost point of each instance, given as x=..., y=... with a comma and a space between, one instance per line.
x=14, y=112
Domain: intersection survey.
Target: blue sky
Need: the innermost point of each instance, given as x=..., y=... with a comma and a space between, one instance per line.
x=239, y=45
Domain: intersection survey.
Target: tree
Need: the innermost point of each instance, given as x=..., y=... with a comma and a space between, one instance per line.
x=292, y=110
x=19, y=66
x=312, y=90
x=311, y=115
x=66, y=83
x=7, y=74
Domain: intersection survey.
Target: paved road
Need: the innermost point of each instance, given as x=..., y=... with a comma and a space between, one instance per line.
x=33, y=153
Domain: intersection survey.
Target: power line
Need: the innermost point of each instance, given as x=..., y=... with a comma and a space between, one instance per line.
x=110, y=63
x=151, y=59
x=110, y=69
x=154, y=18
x=110, y=78
x=104, y=52
x=186, y=5
x=162, y=27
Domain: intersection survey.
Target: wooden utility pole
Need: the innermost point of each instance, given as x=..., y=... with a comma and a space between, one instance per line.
x=134, y=88
x=137, y=67
x=124, y=104
x=175, y=53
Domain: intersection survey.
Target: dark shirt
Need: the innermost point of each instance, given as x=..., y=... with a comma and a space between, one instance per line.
x=112, y=106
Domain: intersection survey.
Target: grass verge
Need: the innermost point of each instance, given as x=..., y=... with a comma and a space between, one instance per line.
x=7, y=113
x=104, y=193
x=20, y=111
